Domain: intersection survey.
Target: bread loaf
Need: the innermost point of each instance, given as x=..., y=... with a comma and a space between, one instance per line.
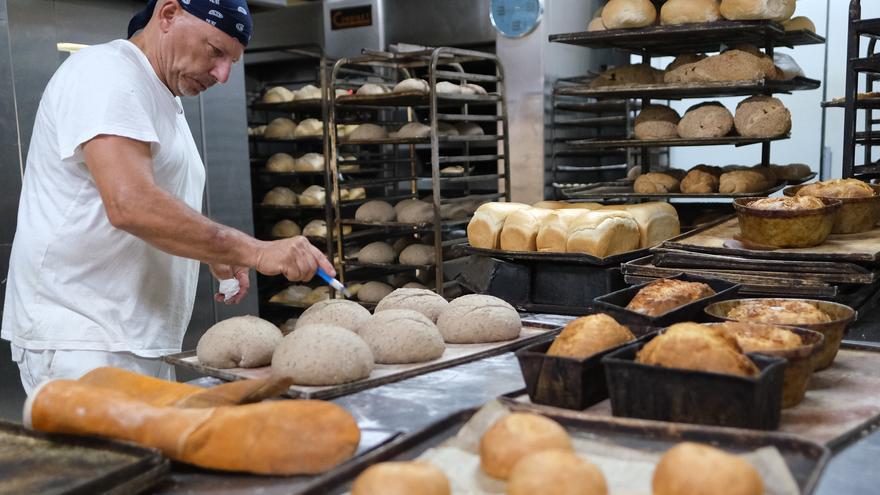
x=422, y=300
x=278, y=94
x=732, y=65
x=625, y=14
x=415, y=211
x=799, y=23
x=368, y=132
x=603, y=233
x=762, y=117
x=656, y=122
x=689, y=11
x=589, y=335
x=310, y=162
x=309, y=128
x=401, y=336
x=280, y=196
x=285, y=228
x=320, y=355
x=559, y=472
x=371, y=89
x=700, y=182
x=516, y=436
x=377, y=252
x=656, y=183
x=747, y=10
x=307, y=92
x=373, y=292
x=697, y=347
x=627, y=75
x=742, y=181
x=682, y=60
x=553, y=233
x=796, y=203
x=412, y=85
x=401, y=478
x=792, y=171
x=469, y=129
x=418, y=254
x=484, y=229
x=473, y=89
x=521, y=227
x=696, y=469
x=706, y=120
x=664, y=295
x=280, y=128
x=238, y=342
x=657, y=221
x=476, y=319
x=448, y=88
x=838, y=188
x=596, y=23
x=412, y=130
x=313, y=196
x=375, y=211
x=280, y=162
x=778, y=311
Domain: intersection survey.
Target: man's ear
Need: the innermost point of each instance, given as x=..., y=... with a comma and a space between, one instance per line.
x=167, y=12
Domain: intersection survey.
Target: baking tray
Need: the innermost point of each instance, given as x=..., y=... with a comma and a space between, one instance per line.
x=577, y=258
x=610, y=142
x=615, y=303
x=485, y=138
x=310, y=104
x=624, y=189
x=804, y=459
x=36, y=462
x=414, y=99
x=679, y=91
x=382, y=373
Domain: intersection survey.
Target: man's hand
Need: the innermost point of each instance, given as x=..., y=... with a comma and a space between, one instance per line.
x=295, y=258
x=224, y=272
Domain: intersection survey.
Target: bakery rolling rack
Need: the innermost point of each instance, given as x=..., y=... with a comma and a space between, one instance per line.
x=413, y=167
x=674, y=41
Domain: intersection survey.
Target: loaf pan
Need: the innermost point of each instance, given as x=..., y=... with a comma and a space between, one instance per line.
x=615, y=303
x=856, y=214
x=687, y=396
x=567, y=382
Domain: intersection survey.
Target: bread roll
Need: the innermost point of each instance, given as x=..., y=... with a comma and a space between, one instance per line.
x=309, y=128
x=484, y=229
x=689, y=11
x=319, y=355
x=368, y=132
x=401, y=336
x=625, y=14
x=476, y=319
x=553, y=232
x=747, y=10
x=375, y=211
x=656, y=183
x=412, y=85
x=310, y=162
x=520, y=230
x=697, y=347
x=377, y=252
x=589, y=335
x=307, y=92
x=559, y=472
x=418, y=254
x=336, y=312
x=280, y=196
x=707, y=120
x=684, y=59
x=700, y=182
x=762, y=117
x=516, y=436
x=603, y=233
x=742, y=182
x=373, y=292
x=656, y=122
x=415, y=212
x=628, y=75
x=370, y=89
x=313, y=196
x=696, y=469
x=238, y=342
x=285, y=228
x=280, y=128
x=413, y=130
x=278, y=94
x=657, y=221
x=448, y=88
x=401, y=478
x=422, y=300
x=799, y=23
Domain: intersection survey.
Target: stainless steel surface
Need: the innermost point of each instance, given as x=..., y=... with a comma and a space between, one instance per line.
x=299, y=24
x=471, y=24
x=349, y=42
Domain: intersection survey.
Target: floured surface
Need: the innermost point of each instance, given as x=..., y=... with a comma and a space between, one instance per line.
x=627, y=470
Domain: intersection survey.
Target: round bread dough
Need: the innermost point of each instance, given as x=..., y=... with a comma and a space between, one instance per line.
x=559, y=472
x=307, y=92
x=417, y=254
x=473, y=89
x=750, y=10
x=447, y=129
x=296, y=294
x=414, y=285
x=377, y=252
x=476, y=319
x=413, y=130
x=656, y=122
x=375, y=211
x=689, y=11
x=412, y=85
x=762, y=117
x=469, y=129
x=280, y=128
x=372, y=89
x=401, y=478
x=424, y=301
x=695, y=469
x=373, y=292
x=516, y=436
x=280, y=162
x=415, y=212
x=238, y=342
x=320, y=355
x=309, y=128
x=278, y=94
x=316, y=228
x=310, y=162
x=401, y=336
x=401, y=205
x=313, y=196
x=707, y=120
x=280, y=196
x=448, y=88
x=368, y=132
x=625, y=14
x=286, y=228
x=337, y=312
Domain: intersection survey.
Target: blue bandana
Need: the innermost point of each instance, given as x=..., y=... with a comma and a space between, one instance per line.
x=230, y=16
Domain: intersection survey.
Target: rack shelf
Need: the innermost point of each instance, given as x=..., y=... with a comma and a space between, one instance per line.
x=414, y=100
x=692, y=90
x=602, y=143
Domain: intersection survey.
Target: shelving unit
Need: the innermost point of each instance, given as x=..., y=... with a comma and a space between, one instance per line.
x=412, y=166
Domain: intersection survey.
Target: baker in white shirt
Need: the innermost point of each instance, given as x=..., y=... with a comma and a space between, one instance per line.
x=105, y=260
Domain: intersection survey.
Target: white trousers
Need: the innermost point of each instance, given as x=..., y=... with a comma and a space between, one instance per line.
x=39, y=366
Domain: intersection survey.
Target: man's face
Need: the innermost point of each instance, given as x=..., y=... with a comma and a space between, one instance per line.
x=196, y=55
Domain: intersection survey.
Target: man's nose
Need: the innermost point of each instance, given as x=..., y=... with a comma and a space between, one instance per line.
x=221, y=71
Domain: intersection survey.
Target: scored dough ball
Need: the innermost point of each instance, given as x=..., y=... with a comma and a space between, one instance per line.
x=310, y=162
x=368, y=132
x=320, y=355
x=762, y=117
x=707, y=120
x=516, y=436
x=401, y=478
x=416, y=212
x=413, y=130
x=422, y=300
x=307, y=92
x=371, y=89
x=412, y=85
x=697, y=469
x=377, y=252
x=286, y=228
x=401, y=336
x=280, y=128
x=624, y=14
x=417, y=254
x=337, y=312
x=689, y=11
x=309, y=128
x=375, y=211
x=373, y=292
x=313, y=196
x=656, y=122
x=280, y=162
x=280, y=196
x=238, y=342
x=477, y=319
x=559, y=472
x=278, y=94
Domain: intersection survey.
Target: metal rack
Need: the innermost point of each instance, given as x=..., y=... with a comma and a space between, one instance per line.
x=484, y=157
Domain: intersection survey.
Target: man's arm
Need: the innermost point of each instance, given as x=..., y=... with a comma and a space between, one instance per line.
x=123, y=172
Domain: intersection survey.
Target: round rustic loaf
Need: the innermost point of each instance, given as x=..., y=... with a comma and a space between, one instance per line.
x=310, y=162
x=280, y=196
x=707, y=120
x=750, y=10
x=309, y=128
x=799, y=23
x=375, y=211
x=476, y=319
x=656, y=122
x=313, y=196
x=238, y=342
x=426, y=302
x=448, y=88
x=307, y=92
x=400, y=336
x=280, y=128
x=689, y=11
x=278, y=94
x=401, y=205
x=280, y=162
x=368, y=132
x=401, y=478
x=413, y=85
x=286, y=228
x=516, y=436
x=695, y=469
x=559, y=472
x=596, y=23
x=656, y=183
x=682, y=60
x=316, y=228
x=624, y=14
x=415, y=212
x=413, y=130
x=417, y=254
x=700, y=182
x=370, y=89
x=762, y=117
x=319, y=355
x=377, y=252
x=373, y=292
x=337, y=312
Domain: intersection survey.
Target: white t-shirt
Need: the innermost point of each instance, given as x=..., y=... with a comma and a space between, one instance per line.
x=75, y=281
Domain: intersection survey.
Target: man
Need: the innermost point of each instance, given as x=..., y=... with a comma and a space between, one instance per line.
x=105, y=259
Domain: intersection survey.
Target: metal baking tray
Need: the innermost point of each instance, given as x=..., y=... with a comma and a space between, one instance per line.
x=414, y=99
x=310, y=104
x=624, y=189
x=382, y=374
x=578, y=258
x=805, y=460
x=49, y=464
x=481, y=139
x=611, y=142
x=680, y=91
x=304, y=139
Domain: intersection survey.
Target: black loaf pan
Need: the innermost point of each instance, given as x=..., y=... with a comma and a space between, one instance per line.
x=686, y=396
x=615, y=303
x=567, y=382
